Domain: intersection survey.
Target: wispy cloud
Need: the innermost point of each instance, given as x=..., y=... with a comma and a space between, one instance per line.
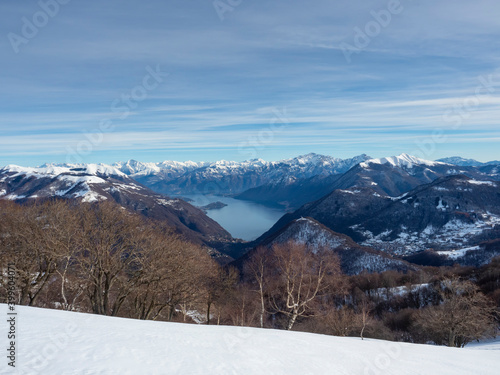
x=226, y=76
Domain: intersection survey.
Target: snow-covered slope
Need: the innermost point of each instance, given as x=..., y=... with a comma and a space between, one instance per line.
x=403, y=160
x=58, y=342
x=68, y=181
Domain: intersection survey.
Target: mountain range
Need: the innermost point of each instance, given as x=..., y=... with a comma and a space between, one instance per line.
x=381, y=210
x=229, y=177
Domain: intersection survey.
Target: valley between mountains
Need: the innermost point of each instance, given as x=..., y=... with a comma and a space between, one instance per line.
x=393, y=213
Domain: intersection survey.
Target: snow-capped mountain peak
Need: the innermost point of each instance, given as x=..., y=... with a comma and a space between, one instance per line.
x=58, y=180
x=230, y=177
x=401, y=161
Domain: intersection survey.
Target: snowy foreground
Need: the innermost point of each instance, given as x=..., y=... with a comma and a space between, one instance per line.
x=59, y=342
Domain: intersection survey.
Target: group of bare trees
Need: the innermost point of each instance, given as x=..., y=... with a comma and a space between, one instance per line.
x=434, y=305
x=100, y=258
x=104, y=259
x=463, y=314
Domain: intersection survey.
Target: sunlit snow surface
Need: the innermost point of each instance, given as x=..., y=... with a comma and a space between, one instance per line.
x=403, y=160
x=55, y=342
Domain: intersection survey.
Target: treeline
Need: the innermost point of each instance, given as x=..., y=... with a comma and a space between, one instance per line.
x=103, y=259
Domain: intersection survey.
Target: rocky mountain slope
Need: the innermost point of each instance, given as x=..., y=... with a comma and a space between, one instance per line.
x=397, y=175
x=290, y=192
x=354, y=258
x=449, y=213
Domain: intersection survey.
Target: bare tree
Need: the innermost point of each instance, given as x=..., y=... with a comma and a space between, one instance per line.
x=463, y=315
x=300, y=277
x=342, y=321
x=365, y=309
x=38, y=238
x=219, y=284
x=63, y=237
x=256, y=268
x=109, y=257
x=173, y=273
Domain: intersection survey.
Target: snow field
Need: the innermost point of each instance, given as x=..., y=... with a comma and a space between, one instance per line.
x=68, y=343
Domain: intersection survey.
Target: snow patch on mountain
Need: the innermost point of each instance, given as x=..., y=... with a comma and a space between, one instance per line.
x=90, y=197
x=455, y=254
x=13, y=197
x=476, y=182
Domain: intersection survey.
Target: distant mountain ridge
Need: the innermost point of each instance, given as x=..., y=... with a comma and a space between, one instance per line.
x=230, y=177
x=293, y=182
x=390, y=176
x=457, y=160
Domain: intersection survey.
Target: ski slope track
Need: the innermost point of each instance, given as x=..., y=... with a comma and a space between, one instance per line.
x=58, y=342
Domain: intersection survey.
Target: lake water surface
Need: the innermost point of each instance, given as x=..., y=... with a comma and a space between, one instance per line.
x=243, y=219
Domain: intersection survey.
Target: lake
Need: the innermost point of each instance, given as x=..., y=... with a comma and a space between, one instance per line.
x=243, y=219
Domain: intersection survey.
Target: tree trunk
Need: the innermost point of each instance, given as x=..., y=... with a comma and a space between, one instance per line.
x=292, y=320
x=451, y=338
x=262, y=309
x=171, y=311
x=208, y=312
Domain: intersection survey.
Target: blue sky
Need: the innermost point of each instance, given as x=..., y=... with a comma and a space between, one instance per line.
x=250, y=79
